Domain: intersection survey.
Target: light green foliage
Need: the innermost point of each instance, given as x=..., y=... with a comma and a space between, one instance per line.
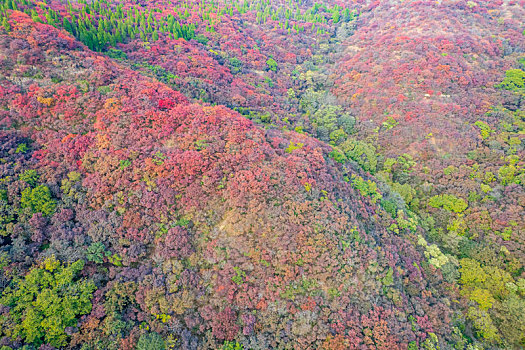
x=230, y=345
x=483, y=324
x=116, y=54
x=431, y=343
x=306, y=287
x=271, y=65
x=514, y=80
x=347, y=123
x=485, y=188
x=507, y=233
x=293, y=146
x=324, y=118
x=362, y=153
x=367, y=188
x=406, y=162
x=69, y=185
x=389, y=123
x=403, y=223
x=6, y=24
x=458, y=226
x=321, y=108
x=163, y=318
x=202, y=39
x=337, y=136
x=46, y=301
x=450, y=170
x=39, y=200
x=22, y=148
x=151, y=341
x=200, y=145
x=472, y=274
x=125, y=163
x=448, y=202
x=507, y=174
x=433, y=253
x=388, y=280
x=104, y=90
x=159, y=158
x=235, y=65
x=239, y=276
x=338, y=156
x=307, y=187
x=487, y=286
x=406, y=191
x=485, y=129
x=483, y=297
x=7, y=213
x=389, y=206
x=115, y=259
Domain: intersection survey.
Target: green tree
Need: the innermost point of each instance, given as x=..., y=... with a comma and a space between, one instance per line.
x=46, y=301
x=5, y=24
x=39, y=200
x=30, y=177
x=151, y=341
x=232, y=345
x=96, y=252
x=448, y=202
x=514, y=80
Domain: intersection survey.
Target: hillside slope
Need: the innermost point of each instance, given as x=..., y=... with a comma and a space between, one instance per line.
x=189, y=221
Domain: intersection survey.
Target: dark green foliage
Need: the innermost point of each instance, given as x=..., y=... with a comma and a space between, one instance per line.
x=30, y=177
x=202, y=39
x=96, y=252
x=235, y=65
x=116, y=54
x=389, y=206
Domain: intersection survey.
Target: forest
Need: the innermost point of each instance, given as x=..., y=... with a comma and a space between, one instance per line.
x=261, y=174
